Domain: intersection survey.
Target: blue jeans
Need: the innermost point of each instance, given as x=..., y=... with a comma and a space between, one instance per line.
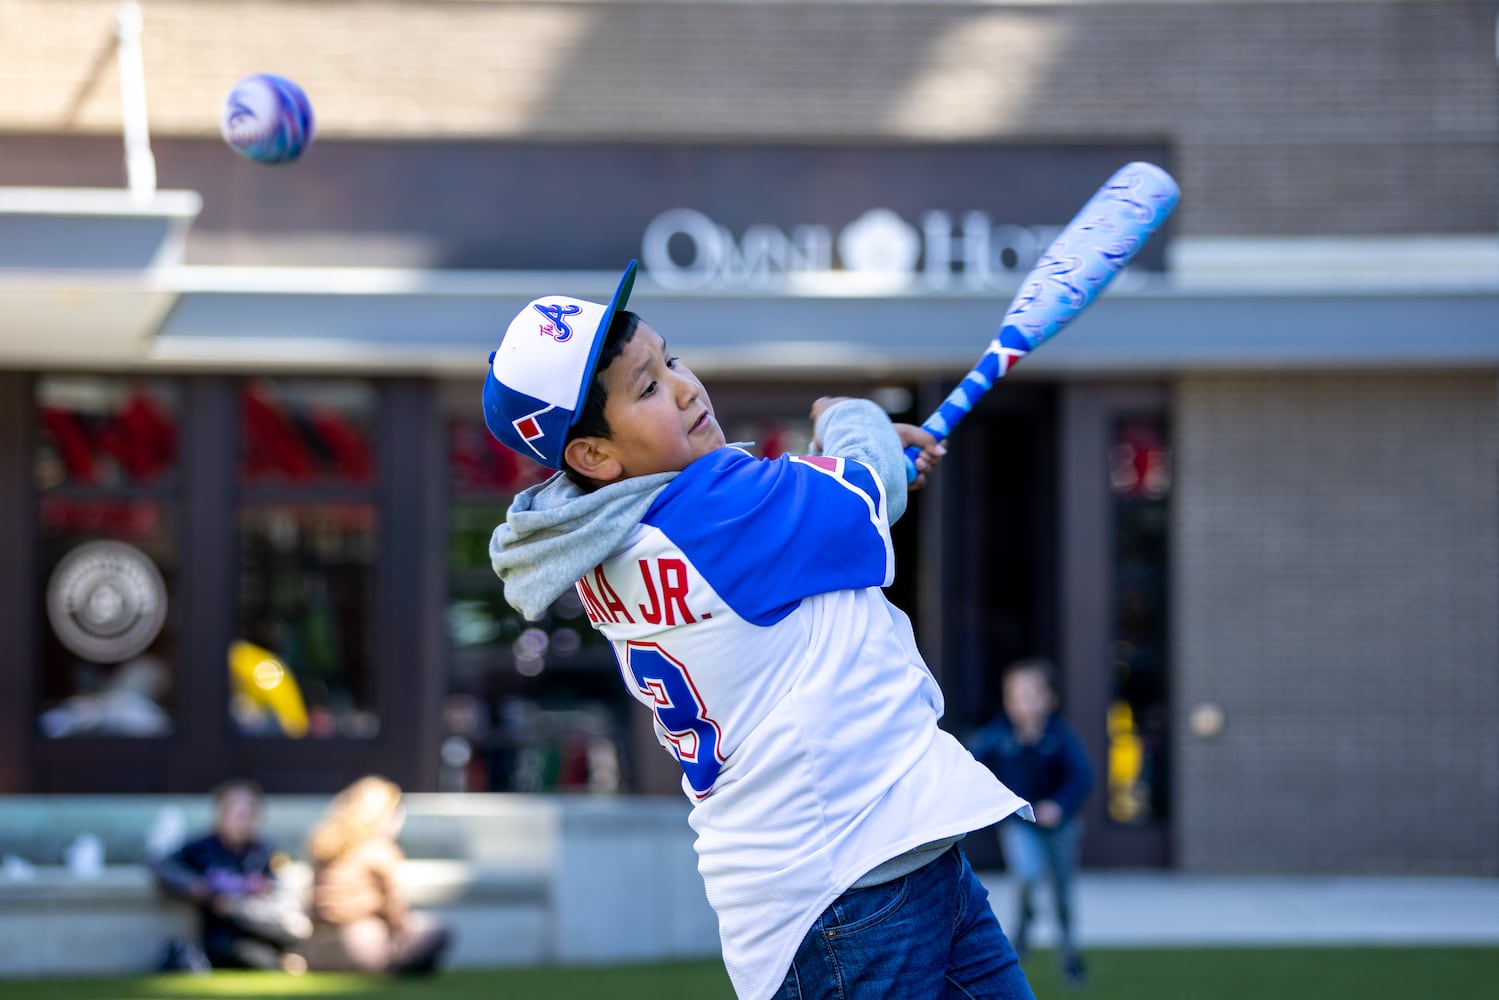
x=927, y=936
x=1033, y=852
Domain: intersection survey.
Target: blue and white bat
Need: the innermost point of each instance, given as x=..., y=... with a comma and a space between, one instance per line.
x=1086, y=255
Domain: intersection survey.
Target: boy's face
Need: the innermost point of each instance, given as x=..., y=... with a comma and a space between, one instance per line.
x=238, y=816
x=1028, y=699
x=659, y=415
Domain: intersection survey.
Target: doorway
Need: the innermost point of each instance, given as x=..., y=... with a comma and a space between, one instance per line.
x=1053, y=510
x=992, y=503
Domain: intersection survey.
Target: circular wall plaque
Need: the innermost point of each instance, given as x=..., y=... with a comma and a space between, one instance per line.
x=106, y=601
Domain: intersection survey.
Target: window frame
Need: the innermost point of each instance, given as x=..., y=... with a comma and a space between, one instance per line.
x=407, y=492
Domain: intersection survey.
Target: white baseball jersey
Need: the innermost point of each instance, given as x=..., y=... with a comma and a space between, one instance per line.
x=746, y=612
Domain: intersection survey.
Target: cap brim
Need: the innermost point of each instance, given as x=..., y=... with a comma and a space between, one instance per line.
x=616, y=303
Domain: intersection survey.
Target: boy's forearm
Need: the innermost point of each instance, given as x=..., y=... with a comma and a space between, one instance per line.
x=860, y=430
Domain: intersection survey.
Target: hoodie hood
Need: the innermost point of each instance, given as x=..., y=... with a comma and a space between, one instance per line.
x=555, y=533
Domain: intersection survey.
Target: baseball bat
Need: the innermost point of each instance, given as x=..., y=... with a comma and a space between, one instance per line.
x=1075, y=269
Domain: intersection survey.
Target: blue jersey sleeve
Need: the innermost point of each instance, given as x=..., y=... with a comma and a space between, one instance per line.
x=767, y=533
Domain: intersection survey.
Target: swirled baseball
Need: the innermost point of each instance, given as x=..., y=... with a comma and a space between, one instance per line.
x=268, y=119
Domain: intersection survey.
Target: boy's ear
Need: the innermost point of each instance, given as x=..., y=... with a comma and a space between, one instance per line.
x=592, y=457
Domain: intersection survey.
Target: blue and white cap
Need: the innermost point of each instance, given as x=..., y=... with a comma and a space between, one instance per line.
x=538, y=380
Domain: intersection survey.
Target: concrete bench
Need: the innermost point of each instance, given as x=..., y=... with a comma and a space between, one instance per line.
x=521, y=879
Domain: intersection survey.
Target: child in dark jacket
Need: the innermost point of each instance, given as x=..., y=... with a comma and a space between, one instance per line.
x=247, y=919
x=1035, y=752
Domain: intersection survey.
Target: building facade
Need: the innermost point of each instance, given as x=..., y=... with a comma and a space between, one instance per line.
x=1249, y=503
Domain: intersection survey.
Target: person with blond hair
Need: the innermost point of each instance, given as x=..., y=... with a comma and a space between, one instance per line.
x=361, y=919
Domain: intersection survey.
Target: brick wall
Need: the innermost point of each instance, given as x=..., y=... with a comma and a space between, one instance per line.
x=1341, y=117
x=1337, y=594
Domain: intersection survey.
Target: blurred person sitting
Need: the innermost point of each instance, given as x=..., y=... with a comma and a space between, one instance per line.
x=1033, y=750
x=247, y=918
x=361, y=919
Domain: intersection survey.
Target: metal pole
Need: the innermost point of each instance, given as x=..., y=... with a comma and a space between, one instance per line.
x=140, y=165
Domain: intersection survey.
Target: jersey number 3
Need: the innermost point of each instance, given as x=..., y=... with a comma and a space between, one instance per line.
x=695, y=740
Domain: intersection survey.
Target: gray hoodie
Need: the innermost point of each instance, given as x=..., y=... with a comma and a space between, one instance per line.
x=555, y=533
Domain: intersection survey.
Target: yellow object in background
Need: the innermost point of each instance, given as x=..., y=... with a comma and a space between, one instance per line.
x=1126, y=762
x=263, y=681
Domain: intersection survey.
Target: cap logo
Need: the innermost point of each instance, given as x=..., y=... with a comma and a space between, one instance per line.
x=557, y=327
x=530, y=430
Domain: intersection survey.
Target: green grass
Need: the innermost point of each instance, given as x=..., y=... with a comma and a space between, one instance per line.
x=1280, y=974
x=1211, y=974
x=684, y=981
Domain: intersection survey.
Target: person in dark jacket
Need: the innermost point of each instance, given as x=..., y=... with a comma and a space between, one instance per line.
x=1035, y=752
x=246, y=919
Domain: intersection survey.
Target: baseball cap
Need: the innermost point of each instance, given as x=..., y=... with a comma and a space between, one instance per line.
x=538, y=380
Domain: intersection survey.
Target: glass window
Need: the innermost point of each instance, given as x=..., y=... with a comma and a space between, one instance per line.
x=480, y=466
x=302, y=660
x=307, y=432
x=105, y=469
x=771, y=436
x=1137, y=713
x=301, y=663
x=105, y=432
x=531, y=706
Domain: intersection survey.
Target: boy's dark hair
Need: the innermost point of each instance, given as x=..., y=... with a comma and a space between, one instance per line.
x=591, y=421
x=1038, y=665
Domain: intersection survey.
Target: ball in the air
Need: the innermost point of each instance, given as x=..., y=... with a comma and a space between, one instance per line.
x=268, y=119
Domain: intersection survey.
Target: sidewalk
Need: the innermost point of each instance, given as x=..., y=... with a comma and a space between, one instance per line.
x=1151, y=909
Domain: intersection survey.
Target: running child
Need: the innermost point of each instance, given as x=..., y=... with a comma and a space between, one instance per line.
x=1031, y=748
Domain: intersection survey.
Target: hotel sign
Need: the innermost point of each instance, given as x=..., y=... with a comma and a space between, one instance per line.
x=683, y=248
x=955, y=217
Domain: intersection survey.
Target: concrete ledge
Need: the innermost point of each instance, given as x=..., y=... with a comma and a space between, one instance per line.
x=521, y=879
x=116, y=921
x=71, y=931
